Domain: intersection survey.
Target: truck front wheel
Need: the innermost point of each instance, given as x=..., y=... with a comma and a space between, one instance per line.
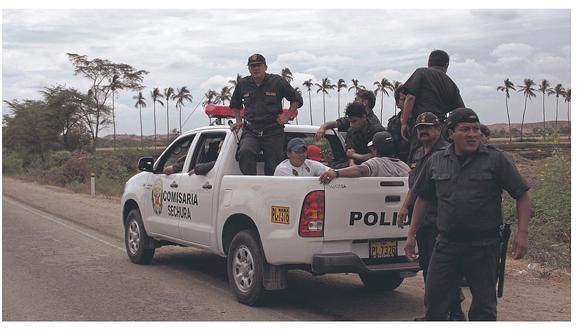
x=381, y=281
x=246, y=267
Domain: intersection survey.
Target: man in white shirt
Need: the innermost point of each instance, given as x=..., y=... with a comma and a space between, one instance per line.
x=383, y=164
x=297, y=164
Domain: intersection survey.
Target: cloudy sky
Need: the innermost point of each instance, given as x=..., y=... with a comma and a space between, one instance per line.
x=203, y=49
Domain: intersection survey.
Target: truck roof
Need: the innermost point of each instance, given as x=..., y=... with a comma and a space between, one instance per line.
x=289, y=128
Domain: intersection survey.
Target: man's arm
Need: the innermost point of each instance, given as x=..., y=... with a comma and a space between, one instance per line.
x=407, y=110
x=355, y=171
x=236, y=105
x=350, y=153
x=322, y=130
x=284, y=117
x=418, y=213
x=524, y=209
x=404, y=210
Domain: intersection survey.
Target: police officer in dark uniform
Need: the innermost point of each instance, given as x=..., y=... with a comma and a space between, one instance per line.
x=366, y=98
x=429, y=89
x=359, y=134
x=261, y=95
x=466, y=181
x=428, y=130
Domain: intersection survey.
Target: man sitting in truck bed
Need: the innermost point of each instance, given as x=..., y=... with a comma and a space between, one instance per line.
x=383, y=164
x=297, y=164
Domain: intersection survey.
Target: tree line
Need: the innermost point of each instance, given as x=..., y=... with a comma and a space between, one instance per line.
x=529, y=91
x=69, y=119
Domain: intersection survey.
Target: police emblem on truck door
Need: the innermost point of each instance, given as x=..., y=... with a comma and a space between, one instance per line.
x=156, y=197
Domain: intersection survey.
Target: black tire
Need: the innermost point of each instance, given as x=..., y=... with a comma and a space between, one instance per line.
x=246, y=268
x=137, y=242
x=381, y=281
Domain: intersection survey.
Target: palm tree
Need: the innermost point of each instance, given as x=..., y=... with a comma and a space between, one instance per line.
x=155, y=96
x=210, y=97
x=286, y=75
x=299, y=92
x=182, y=95
x=225, y=94
x=558, y=90
x=140, y=104
x=567, y=97
x=114, y=85
x=507, y=85
x=234, y=82
x=356, y=86
x=396, y=84
x=324, y=87
x=168, y=93
x=543, y=87
x=308, y=84
x=339, y=85
x=383, y=86
x=528, y=90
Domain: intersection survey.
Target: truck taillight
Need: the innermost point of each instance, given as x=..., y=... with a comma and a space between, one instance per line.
x=312, y=216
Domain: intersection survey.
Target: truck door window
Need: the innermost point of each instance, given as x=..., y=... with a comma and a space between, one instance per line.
x=176, y=155
x=208, y=149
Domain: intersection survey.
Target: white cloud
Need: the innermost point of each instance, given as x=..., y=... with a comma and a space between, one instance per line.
x=512, y=50
x=215, y=82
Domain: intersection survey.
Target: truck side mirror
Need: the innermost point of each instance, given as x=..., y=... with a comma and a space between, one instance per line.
x=146, y=164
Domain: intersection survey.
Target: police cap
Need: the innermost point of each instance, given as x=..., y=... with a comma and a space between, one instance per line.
x=427, y=119
x=256, y=59
x=461, y=115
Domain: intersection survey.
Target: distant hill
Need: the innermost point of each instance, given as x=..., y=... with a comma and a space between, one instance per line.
x=529, y=127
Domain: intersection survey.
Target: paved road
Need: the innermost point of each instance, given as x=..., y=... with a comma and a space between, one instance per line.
x=55, y=269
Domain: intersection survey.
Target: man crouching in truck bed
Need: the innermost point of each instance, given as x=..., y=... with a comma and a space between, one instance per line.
x=383, y=164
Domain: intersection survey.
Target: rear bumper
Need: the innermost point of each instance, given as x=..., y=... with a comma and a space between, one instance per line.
x=351, y=263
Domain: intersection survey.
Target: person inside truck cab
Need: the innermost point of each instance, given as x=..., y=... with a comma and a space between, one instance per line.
x=297, y=164
x=383, y=164
x=177, y=158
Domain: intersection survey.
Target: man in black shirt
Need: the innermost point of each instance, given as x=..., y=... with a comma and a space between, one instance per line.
x=366, y=98
x=261, y=95
x=359, y=134
x=466, y=181
x=429, y=90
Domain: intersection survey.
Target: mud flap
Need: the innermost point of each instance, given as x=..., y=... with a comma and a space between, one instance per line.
x=275, y=277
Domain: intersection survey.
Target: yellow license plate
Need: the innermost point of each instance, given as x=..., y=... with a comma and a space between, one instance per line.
x=382, y=249
x=281, y=214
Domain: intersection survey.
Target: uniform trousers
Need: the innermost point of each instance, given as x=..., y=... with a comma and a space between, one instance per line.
x=269, y=139
x=478, y=262
x=426, y=237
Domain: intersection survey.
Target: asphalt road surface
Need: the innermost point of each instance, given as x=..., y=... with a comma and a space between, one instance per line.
x=54, y=269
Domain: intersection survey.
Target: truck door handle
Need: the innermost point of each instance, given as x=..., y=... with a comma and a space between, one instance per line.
x=173, y=185
x=391, y=199
x=206, y=186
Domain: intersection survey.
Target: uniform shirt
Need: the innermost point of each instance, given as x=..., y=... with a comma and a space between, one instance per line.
x=308, y=168
x=416, y=163
x=359, y=139
x=344, y=124
x=434, y=92
x=469, y=196
x=386, y=167
x=263, y=103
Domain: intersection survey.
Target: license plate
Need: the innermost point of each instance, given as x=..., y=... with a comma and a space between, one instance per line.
x=382, y=248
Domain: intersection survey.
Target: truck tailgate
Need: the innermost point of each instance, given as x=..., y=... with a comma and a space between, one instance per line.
x=364, y=208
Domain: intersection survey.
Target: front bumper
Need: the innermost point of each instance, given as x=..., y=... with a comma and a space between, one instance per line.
x=349, y=262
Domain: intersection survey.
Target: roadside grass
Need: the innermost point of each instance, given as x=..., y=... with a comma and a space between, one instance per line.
x=549, y=231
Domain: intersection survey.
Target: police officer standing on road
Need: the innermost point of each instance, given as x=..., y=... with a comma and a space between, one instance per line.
x=466, y=181
x=428, y=130
x=429, y=90
x=261, y=94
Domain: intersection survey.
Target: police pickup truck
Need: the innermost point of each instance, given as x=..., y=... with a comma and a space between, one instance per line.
x=266, y=225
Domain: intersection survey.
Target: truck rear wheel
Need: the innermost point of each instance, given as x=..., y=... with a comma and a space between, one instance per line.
x=246, y=267
x=137, y=241
x=381, y=281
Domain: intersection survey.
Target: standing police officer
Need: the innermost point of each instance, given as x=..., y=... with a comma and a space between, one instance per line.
x=428, y=130
x=466, y=180
x=261, y=94
x=429, y=89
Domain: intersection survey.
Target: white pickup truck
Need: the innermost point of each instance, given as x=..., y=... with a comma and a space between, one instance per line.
x=266, y=225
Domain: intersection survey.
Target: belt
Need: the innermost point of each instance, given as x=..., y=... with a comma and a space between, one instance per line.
x=260, y=127
x=469, y=237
